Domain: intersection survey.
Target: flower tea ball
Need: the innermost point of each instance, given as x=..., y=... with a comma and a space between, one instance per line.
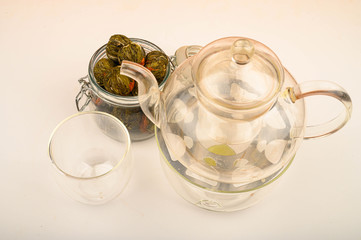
x=132, y=52
x=118, y=84
x=157, y=63
x=102, y=69
x=115, y=44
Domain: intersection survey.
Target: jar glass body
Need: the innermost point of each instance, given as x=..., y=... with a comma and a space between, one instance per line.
x=125, y=108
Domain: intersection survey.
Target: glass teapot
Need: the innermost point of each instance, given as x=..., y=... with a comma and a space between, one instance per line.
x=231, y=112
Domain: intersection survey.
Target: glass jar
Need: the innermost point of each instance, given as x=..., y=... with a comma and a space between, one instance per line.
x=125, y=108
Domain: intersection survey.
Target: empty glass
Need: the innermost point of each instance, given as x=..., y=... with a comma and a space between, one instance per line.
x=91, y=153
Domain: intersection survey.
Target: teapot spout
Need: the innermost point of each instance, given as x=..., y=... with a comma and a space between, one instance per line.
x=148, y=91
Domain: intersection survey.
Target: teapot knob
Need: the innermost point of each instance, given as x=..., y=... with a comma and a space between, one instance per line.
x=242, y=51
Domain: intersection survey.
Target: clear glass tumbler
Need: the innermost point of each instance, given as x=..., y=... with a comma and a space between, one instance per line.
x=91, y=153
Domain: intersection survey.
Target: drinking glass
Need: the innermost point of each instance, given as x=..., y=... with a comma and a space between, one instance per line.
x=91, y=153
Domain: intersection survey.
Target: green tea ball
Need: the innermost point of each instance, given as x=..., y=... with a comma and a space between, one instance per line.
x=157, y=63
x=132, y=52
x=118, y=84
x=115, y=44
x=102, y=69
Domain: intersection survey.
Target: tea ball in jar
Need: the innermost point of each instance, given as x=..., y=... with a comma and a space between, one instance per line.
x=102, y=69
x=115, y=44
x=132, y=52
x=118, y=84
x=157, y=63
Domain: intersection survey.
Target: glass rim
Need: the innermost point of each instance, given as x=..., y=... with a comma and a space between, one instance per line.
x=121, y=160
x=282, y=171
x=128, y=100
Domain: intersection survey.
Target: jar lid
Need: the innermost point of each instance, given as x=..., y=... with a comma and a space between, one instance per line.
x=237, y=74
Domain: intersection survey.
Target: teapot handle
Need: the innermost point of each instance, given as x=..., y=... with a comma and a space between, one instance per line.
x=312, y=88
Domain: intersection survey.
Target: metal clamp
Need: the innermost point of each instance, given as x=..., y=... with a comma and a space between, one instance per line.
x=184, y=53
x=172, y=61
x=84, y=90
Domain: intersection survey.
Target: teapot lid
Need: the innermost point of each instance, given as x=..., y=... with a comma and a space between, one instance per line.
x=237, y=76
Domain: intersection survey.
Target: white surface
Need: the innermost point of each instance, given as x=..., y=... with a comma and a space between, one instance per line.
x=46, y=46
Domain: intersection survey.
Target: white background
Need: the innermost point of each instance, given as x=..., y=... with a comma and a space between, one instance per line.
x=46, y=46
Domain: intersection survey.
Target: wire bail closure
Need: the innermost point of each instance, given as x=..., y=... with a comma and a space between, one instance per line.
x=84, y=90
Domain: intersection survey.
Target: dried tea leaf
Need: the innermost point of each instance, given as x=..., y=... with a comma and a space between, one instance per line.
x=118, y=84
x=157, y=63
x=134, y=119
x=115, y=44
x=132, y=52
x=102, y=69
x=131, y=117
